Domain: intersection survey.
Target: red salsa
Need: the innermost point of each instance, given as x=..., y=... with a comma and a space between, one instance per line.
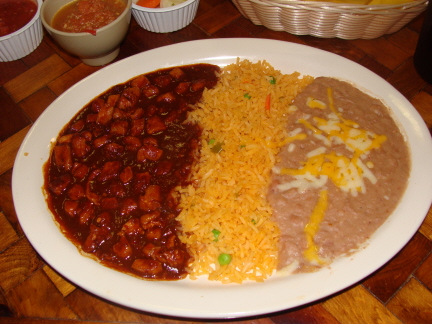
x=87, y=15
x=111, y=175
x=15, y=14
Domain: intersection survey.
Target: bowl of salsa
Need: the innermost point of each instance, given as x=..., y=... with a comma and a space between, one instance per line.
x=20, y=28
x=90, y=29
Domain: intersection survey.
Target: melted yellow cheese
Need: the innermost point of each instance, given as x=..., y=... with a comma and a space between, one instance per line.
x=312, y=227
x=346, y=172
x=348, y=132
x=315, y=103
x=309, y=126
x=300, y=136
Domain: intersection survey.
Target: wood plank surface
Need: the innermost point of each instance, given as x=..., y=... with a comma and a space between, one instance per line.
x=32, y=292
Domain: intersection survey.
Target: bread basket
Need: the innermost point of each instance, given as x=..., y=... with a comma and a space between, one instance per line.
x=330, y=19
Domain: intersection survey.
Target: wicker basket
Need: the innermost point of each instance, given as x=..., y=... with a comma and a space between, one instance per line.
x=329, y=19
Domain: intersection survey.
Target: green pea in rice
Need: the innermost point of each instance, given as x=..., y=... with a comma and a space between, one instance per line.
x=228, y=192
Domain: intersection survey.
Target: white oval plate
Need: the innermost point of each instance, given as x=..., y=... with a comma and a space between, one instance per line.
x=202, y=298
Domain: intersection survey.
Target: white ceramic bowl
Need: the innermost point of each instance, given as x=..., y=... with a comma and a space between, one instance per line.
x=165, y=20
x=93, y=50
x=23, y=41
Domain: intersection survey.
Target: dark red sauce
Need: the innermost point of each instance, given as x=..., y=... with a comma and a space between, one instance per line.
x=111, y=176
x=15, y=14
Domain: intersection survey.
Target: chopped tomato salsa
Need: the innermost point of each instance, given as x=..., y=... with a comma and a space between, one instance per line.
x=87, y=15
x=15, y=14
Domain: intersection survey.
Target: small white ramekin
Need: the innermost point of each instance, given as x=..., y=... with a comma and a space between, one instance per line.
x=23, y=41
x=165, y=20
x=94, y=50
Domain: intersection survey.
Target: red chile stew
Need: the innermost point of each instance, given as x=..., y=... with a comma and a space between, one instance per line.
x=111, y=175
x=15, y=14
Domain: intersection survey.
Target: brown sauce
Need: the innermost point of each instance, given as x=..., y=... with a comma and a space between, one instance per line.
x=111, y=175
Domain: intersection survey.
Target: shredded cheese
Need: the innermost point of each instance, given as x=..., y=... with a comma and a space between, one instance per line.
x=347, y=171
x=312, y=227
x=315, y=103
x=309, y=126
x=300, y=136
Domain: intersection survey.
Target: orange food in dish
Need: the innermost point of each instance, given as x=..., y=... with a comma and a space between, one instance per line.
x=148, y=3
x=87, y=15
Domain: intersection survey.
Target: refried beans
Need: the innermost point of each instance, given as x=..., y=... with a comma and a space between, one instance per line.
x=341, y=173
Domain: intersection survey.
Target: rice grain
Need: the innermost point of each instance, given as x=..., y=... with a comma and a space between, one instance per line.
x=228, y=189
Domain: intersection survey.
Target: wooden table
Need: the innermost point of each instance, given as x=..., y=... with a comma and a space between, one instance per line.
x=32, y=292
